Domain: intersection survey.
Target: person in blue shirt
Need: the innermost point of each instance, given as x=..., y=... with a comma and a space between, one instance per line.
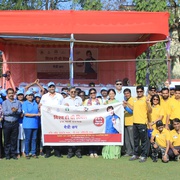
x=11, y=112
x=30, y=124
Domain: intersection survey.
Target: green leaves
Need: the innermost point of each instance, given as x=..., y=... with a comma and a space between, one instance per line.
x=154, y=70
x=90, y=4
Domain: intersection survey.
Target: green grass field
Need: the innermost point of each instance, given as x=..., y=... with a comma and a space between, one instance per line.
x=87, y=168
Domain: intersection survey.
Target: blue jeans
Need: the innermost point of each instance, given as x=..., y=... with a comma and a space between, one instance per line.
x=30, y=140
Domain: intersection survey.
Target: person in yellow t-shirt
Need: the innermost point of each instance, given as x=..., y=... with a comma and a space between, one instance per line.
x=160, y=142
x=174, y=151
x=165, y=103
x=151, y=91
x=128, y=122
x=141, y=108
x=157, y=111
x=172, y=92
x=174, y=111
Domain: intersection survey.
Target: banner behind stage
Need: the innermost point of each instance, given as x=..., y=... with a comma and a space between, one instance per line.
x=85, y=70
x=83, y=125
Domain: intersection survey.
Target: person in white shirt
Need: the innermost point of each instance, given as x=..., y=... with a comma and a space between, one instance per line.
x=52, y=99
x=119, y=93
x=73, y=100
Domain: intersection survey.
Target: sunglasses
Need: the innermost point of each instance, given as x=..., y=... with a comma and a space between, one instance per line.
x=72, y=91
x=139, y=91
x=93, y=93
x=118, y=84
x=155, y=99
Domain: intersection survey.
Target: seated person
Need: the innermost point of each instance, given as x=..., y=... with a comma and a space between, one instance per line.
x=174, y=151
x=160, y=142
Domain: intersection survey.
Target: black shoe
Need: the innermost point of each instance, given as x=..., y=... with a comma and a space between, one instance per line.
x=47, y=156
x=70, y=155
x=15, y=157
x=78, y=155
x=59, y=156
x=8, y=158
x=41, y=154
x=155, y=160
x=27, y=157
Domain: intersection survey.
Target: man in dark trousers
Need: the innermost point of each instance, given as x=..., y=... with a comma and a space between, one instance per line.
x=11, y=111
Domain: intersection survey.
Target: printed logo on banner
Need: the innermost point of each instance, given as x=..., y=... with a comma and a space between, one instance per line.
x=98, y=121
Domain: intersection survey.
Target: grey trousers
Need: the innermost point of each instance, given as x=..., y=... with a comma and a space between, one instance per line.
x=129, y=139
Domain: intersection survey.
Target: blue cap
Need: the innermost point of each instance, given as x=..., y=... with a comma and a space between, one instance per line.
x=37, y=95
x=20, y=92
x=28, y=92
x=21, y=89
x=3, y=92
x=104, y=89
x=45, y=87
x=64, y=92
x=51, y=84
x=35, y=89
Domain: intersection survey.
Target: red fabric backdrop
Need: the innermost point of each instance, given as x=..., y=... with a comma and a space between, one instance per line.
x=108, y=72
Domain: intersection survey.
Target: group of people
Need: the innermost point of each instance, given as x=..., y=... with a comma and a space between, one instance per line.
x=151, y=122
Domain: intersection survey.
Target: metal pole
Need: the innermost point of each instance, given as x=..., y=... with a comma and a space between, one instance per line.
x=147, y=70
x=168, y=45
x=169, y=70
x=71, y=58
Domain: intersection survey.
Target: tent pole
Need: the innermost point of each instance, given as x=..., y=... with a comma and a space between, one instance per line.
x=147, y=70
x=168, y=58
x=71, y=58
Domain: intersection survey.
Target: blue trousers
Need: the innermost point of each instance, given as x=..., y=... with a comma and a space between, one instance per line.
x=30, y=141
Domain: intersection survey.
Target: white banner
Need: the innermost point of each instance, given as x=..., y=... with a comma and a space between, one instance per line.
x=83, y=125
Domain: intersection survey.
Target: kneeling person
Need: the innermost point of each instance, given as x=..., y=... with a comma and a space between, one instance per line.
x=160, y=142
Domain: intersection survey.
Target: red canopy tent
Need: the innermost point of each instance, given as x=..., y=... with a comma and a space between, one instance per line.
x=116, y=35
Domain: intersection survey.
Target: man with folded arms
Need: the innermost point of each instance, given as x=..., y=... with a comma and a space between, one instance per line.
x=11, y=111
